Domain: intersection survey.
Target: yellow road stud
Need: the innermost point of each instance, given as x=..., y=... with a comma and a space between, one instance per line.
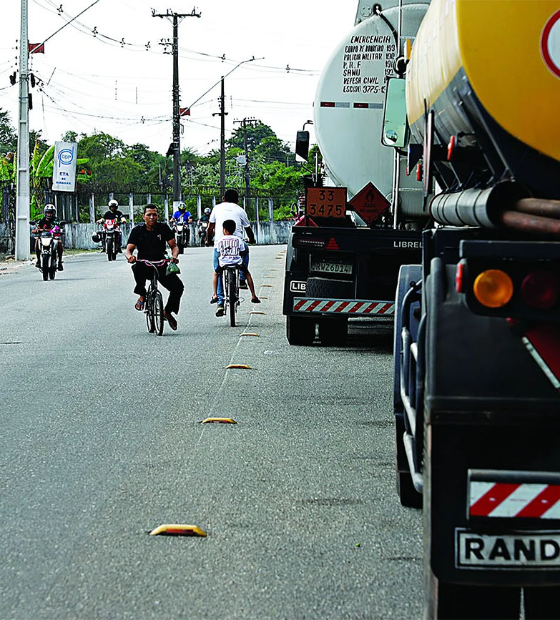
x=256, y=335
x=257, y=312
x=219, y=421
x=239, y=366
x=268, y=285
x=269, y=276
x=178, y=530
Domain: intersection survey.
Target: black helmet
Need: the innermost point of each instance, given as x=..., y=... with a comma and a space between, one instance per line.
x=95, y=238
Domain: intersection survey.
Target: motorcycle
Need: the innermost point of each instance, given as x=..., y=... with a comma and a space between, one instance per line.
x=112, y=234
x=48, y=245
x=202, y=229
x=182, y=234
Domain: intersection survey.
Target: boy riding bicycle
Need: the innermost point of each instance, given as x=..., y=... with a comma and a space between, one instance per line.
x=231, y=250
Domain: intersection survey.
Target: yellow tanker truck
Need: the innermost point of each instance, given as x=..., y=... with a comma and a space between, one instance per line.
x=476, y=111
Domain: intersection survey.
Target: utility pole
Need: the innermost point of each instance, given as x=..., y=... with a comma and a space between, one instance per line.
x=251, y=122
x=222, y=113
x=22, y=201
x=176, y=145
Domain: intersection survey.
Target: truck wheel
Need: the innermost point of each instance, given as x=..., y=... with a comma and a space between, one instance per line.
x=541, y=603
x=333, y=332
x=300, y=330
x=461, y=602
x=333, y=289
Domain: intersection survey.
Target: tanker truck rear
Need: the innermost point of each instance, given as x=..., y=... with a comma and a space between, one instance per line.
x=344, y=256
x=477, y=325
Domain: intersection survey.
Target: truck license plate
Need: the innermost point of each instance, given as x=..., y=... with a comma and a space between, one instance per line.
x=515, y=550
x=325, y=267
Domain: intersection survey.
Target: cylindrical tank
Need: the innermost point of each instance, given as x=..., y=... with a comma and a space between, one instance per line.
x=490, y=70
x=349, y=102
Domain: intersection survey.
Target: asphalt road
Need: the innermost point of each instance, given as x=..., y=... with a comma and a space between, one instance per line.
x=101, y=442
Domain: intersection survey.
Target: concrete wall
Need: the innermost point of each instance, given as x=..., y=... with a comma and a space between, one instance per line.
x=78, y=236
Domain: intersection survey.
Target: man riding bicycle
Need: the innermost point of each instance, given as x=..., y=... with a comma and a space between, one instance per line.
x=151, y=238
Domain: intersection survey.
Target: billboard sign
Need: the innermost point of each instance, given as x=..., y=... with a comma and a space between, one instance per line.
x=64, y=168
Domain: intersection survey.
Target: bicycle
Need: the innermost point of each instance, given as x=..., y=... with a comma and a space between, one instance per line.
x=231, y=291
x=153, y=302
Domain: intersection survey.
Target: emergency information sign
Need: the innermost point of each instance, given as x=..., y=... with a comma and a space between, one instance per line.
x=64, y=167
x=369, y=203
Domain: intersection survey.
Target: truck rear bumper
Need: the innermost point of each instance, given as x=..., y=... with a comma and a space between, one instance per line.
x=345, y=307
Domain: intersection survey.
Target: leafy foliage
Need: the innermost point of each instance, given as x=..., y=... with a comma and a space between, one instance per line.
x=113, y=166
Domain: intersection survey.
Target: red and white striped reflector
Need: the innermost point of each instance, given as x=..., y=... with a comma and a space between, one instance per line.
x=506, y=499
x=342, y=306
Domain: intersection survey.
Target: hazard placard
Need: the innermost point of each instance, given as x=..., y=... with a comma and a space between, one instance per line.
x=369, y=203
x=326, y=202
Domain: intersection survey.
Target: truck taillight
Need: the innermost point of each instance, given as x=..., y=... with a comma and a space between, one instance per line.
x=493, y=288
x=540, y=289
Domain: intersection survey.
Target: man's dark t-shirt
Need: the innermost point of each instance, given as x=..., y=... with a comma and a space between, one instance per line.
x=47, y=224
x=151, y=244
x=113, y=215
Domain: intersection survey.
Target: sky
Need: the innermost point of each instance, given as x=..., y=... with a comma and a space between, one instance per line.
x=108, y=72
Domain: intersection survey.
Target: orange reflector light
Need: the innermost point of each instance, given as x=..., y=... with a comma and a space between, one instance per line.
x=219, y=421
x=493, y=288
x=541, y=289
x=177, y=529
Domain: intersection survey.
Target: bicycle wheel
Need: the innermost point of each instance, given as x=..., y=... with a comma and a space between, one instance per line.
x=232, y=296
x=158, y=313
x=149, y=311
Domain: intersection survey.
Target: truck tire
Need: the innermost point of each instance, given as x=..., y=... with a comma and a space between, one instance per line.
x=333, y=332
x=408, y=495
x=327, y=288
x=541, y=603
x=300, y=330
x=464, y=602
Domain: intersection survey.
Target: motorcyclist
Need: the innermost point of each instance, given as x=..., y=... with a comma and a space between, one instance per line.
x=113, y=213
x=185, y=216
x=205, y=217
x=49, y=221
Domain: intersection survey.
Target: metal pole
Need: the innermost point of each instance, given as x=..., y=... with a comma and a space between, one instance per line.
x=23, y=194
x=247, y=183
x=176, y=118
x=223, y=141
x=131, y=207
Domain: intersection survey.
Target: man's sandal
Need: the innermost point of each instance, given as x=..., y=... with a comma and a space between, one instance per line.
x=255, y=300
x=139, y=305
x=214, y=300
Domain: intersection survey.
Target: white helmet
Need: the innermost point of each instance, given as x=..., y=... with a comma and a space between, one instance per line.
x=49, y=207
x=182, y=206
x=113, y=203
x=207, y=210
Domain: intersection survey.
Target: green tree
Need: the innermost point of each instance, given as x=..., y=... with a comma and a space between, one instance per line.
x=8, y=135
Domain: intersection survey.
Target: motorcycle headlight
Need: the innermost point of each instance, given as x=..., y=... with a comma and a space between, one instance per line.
x=46, y=241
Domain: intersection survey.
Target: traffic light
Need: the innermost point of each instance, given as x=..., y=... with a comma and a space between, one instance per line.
x=13, y=79
x=302, y=144
x=32, y=80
